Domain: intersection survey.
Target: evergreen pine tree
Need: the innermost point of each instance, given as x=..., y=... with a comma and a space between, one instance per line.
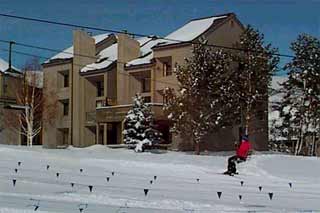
x=204, y=101
x=257, y=63
x=138, y=126
x=301, y=103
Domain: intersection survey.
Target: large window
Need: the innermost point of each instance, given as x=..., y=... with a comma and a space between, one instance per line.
x=100, y=89
x=146, y=84
x=63, y=79
x=166, y=63
x=66, y=80
x=167, y=69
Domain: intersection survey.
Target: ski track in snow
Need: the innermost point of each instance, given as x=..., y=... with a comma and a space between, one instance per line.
x=184, y=182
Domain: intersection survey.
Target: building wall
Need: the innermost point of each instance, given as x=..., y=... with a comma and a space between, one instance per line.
x=224, y=139
x=53, y=84
x=8, y=135
x=83, y=91
x=128, y=49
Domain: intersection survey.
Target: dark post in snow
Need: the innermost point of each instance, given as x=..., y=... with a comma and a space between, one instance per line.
x=19, y=163
x=16, y=170
x=14, y=182
x=151, y=181
x=240, y=197
x=260, y=188
x=155, y=177
x=146, y=192
x=219, y=194
x=48, y=166
x=112, y=173
x=198, y=180
x=241, y=182
x=81, y=170
x=90, y=188
x=108, y=178
x=270, y=195
x=57, y=174
x=290, y=184
x=72, y=185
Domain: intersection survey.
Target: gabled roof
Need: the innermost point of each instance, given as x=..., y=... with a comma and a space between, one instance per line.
x=187, y=33
x=68, y=53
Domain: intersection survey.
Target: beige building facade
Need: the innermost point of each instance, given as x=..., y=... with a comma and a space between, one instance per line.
x=97, y=77
x=8, y=83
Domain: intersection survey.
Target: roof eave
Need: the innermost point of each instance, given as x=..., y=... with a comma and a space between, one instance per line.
x=97, y=71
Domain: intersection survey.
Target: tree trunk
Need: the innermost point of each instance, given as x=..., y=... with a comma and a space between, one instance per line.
x=197, y=148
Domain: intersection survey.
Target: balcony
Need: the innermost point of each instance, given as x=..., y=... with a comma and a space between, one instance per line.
x=117, y=113
x=91, y=117
x=104, y=102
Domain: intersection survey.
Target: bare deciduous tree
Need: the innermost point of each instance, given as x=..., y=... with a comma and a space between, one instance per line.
x=34, y=108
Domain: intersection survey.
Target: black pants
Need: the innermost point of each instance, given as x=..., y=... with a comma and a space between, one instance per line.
x=232, y=163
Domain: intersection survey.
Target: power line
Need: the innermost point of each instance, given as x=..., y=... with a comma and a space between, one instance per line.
x=128, y=33
x=88, y=66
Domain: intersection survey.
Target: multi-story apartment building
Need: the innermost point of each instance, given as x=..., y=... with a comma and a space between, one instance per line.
x=8, y=81
x=97, y=77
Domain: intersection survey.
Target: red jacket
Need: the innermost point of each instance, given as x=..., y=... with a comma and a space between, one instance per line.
x=244, y=149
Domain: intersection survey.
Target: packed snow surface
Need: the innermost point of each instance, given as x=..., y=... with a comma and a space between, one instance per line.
x=181, y=182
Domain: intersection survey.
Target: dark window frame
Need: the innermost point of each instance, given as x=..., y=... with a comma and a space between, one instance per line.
x=100, y=88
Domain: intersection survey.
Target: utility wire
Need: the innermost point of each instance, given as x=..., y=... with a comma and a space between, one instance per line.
x=88, y=66
x=128, y=33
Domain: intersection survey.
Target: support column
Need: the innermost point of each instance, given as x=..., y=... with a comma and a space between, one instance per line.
x=121, y=129
x=105, y=134
x=97, y=133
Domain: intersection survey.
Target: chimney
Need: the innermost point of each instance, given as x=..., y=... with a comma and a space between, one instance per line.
x=84, y=48
x=128, y=49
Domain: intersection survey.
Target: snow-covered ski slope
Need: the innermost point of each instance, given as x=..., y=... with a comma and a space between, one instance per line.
x=174, y=189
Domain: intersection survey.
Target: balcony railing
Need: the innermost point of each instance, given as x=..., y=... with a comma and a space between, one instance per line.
x=91, y=117
x=106, y=102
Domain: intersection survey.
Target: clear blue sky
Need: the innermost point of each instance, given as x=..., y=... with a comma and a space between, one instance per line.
x=280, y=20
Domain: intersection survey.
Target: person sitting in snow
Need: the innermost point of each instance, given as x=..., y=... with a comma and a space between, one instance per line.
x=241, y=155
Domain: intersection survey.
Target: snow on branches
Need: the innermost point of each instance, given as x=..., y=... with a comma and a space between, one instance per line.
x=138, y=126
x=204, y=102
x=300, y=106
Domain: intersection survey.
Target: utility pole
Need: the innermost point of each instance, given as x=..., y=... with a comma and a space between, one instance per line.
x=4, y=86
x=10, y=55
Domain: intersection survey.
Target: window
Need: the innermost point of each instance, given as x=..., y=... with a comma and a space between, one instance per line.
x=65, y=108
x=63, y=78
x=166, y=65
x=147, y=99
x=66, y=80
x=146, y=85
x=100, y=89
x=167, y=69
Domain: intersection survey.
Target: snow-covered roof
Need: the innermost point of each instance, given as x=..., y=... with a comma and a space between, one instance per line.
x=4, y=66
x=188, y=32
x=146, y=52
x=68, y=53
x=105, y=58
x=110, y=55
x=193, y=29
